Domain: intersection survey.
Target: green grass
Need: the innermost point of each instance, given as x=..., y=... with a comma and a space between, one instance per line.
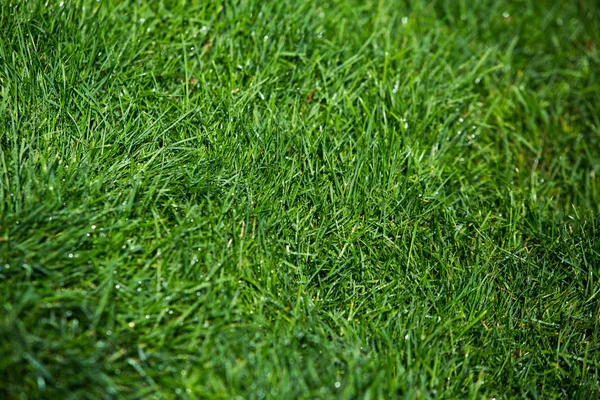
x=299, y=199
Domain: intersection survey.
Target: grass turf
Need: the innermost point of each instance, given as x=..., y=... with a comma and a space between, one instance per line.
x=315, y=199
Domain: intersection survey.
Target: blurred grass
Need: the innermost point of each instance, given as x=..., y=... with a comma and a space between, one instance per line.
x=307, y=199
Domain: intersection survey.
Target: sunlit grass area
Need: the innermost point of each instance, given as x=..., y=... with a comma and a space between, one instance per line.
x=299, y=199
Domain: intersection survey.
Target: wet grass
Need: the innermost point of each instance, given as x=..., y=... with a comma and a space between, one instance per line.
x=343, y=199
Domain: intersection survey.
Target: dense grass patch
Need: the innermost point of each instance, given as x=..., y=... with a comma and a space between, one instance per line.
x=299, y=199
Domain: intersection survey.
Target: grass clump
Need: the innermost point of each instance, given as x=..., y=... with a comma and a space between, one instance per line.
x=343, y=199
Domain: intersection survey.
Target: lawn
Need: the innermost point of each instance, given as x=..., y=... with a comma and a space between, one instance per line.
x=299, y=199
